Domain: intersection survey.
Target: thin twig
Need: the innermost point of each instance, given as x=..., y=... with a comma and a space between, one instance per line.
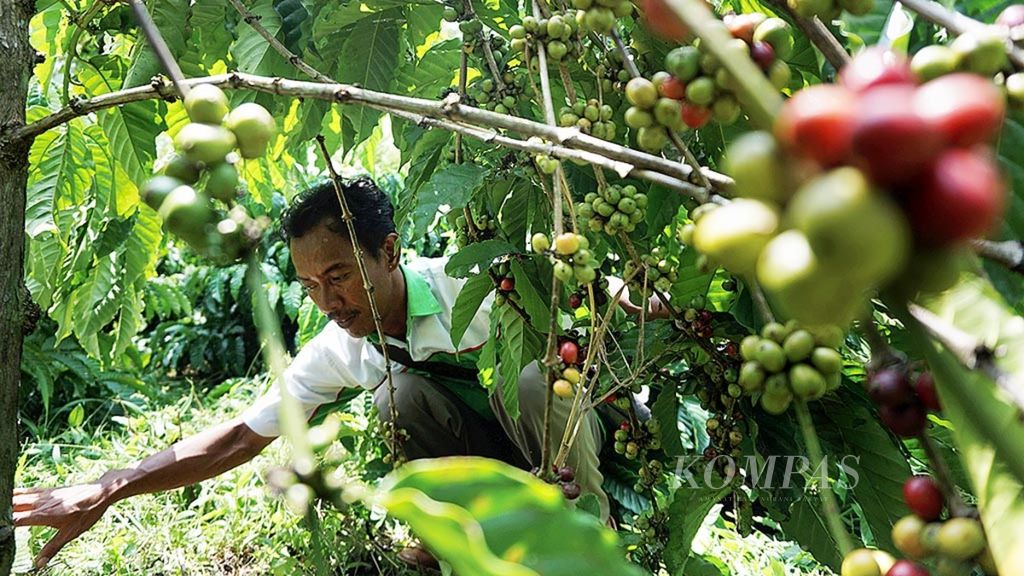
x=357, y=249
x=348, y=94
x=80, y=24
x=957, y=507
x=627, y=58
x=293, y=59
x=958, y=24
x=1009, y=253
x=157, y=44
x=818, y=34
x=463, y=72
x=556, y=285
x=828, y=498
x=760, y=302
x=972, y=353
x=553, y=150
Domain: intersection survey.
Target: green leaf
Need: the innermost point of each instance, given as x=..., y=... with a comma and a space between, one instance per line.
x=467, y=303
x=453, y=186
x=131, y=128
x=369, y=59
x=59, y=177
x=848, y=429
x=987, y=428
x=477, y=256
x=685, y=516
x=488, y=518
x=666, y=411
x=537, y=304
x=510, y=351
x=433, y=72
x=251, y=52
x=487, y=361
x=808, y=526
x=171, y=19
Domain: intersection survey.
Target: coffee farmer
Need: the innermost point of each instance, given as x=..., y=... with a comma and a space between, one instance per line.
x=438, y=399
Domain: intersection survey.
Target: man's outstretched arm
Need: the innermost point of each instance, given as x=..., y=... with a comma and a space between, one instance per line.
x=74, y=509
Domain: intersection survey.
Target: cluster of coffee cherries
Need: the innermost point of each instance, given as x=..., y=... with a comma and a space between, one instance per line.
x=955, y=544
x=571, y=256
x=565, y=477
x=204, y=169
x=718, y=392
x=697, y=319
x=981, y=51
x=571, y=356
x=705, y=88
x=591, y=117
x=581, y=296
x=828, y=10
x=903, y=402
x=504, y=284
x=662, y=270
x=600, y=15
x=485, y=228
x=559, y=33
x=880, y=181
x=613, y=208
x=634, y=441
x=503, y=98
x=612, y=72
x=788, y=361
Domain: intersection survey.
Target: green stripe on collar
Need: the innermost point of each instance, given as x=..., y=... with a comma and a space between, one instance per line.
x=419, y=296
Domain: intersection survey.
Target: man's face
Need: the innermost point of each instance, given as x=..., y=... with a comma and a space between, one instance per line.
x=327, y=267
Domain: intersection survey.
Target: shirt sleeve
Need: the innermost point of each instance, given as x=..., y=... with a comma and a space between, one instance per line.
x=326, y=365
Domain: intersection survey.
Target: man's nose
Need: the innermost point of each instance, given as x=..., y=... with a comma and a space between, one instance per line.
x=332, y=301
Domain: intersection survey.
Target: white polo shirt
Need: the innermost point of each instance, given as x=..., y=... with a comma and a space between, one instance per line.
x=333, y=360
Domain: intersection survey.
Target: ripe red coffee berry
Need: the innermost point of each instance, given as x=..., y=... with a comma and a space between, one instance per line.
x=507, y=284
x=569, y=352
x=907, y=568
x=890, y=138
x=817, y=123
x=925, y=388
x=663, y=21
x=966, y=108
x=695, y=116
x=575, y=301
x=876, y=66
x=962, y=197
x=890, y=387
x=571, y=490
x=923, y=497
x=566, y=474
x=673, y=88
x=763, y=54
x=907, y=420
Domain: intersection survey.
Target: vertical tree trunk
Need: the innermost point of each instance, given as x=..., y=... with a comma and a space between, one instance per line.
x=15, y=69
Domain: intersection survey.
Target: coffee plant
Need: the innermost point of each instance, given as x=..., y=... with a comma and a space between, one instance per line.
x=738, y=231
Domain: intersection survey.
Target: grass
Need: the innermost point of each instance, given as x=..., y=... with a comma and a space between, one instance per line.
x=231, y=524
x=235, y=525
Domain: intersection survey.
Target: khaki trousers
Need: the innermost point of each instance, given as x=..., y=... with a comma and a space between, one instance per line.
x=440, y=424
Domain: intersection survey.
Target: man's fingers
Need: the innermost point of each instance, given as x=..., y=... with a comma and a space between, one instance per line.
x=55, y=544
x=32, y=518
x=23, y=501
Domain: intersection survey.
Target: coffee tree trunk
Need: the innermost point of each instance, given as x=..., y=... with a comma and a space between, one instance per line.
x=15, y=68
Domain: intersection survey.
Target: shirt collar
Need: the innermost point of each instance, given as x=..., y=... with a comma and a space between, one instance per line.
x=420, y=299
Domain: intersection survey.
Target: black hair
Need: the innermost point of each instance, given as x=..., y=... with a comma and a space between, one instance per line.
x=373, y=216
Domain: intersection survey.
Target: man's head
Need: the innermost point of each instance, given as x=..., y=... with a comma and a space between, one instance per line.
x=325, y=261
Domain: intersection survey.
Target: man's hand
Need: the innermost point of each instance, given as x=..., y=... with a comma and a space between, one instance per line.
x=71, y=510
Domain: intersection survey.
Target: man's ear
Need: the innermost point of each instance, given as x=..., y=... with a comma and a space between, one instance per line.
x=392, y=250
